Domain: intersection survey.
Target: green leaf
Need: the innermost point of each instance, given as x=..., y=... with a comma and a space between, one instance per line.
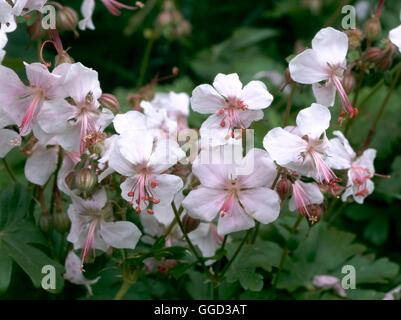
x=377, y=230
x=6, y=265
x=392, y=186
x=262, y=254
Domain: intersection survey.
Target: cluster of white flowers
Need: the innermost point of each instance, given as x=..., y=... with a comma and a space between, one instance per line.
x=62, y=115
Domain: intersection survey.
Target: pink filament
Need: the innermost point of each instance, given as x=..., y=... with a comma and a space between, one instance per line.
x=90, y=237
x=324, y=173
x=115, y=7
x=227, y=205
x=88, y=125
x=301, y=198
x=345, y=101
x=230, y=115
x=142, y=191
x=30, y=113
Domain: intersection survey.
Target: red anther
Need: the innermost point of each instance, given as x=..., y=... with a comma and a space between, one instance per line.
x=130, y=194
x=153, y=184
x=149, y=211
x=220, y=112
x=138, y=210
x=155, y=201
x=222, y=123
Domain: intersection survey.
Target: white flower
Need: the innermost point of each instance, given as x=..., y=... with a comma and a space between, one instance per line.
x=9, y=139
x=73, y=272
x=304, y=148
x=395, y=37
x=233, y=106
x=22, y=103
x=91, y=228
x=144, y=160
x=326, y=61
x=70, y=123
x=237, y=199
x=360, y=169
x=41, y=164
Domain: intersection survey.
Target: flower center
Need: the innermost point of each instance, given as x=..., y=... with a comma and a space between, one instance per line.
x=230, y=115
x=232, y=188
x=360, y=177
x=142, y=191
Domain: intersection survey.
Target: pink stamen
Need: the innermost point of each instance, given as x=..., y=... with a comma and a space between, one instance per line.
x=141, y=193
x=230, y=115
x=324, y=173
x=301, y=199
x=90, y=237
x=30, y=114
x=88, y=126
x=227, y=205
x=115, y=7
x=345, y=101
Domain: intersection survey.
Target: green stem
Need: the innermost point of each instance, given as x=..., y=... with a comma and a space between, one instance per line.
x=286, y=251
x=145, y=60
x=177, y=214
x=123, y=290
x=288, y=107
x=227, y=266
x=372, y=129
x=9, y=171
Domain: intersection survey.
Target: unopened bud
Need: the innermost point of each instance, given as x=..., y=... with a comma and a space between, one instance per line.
x=45, y=222
x=314, y=213
x=348, y=81
x=284, y=188
x=110, y=102
x=67, y=19
x=85, y=180
x=189, y=223
x=372, y=28
x=373, y=55
x=61, y=222
x=355, y=37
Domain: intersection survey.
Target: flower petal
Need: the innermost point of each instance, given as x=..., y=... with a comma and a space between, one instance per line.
x=313, y=121
x=129, y=122
x=228, y=85
x=235, y=220
x=395, y=37
x=120, y=234
x=325, y=94
x=307, y=68
x=41, y=164
x=256, y=96
x=9, y=139
x=205, y=99
x=331, y=46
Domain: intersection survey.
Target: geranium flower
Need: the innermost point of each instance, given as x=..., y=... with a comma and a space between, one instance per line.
x=325, y=62
x=232, y=106
x=360, y=168
x=303, y=196
x=303, y=148
x=92, y=228
x=23, y=103
x=71, y=121
x=144, y=160
x=73, y=272
x=237, y=199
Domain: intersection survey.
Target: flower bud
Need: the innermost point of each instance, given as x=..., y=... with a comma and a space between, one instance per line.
x=348, y=81
x=110, y=102
x=314, y=213
x=61, y=222
x=67, y=19
x=45, y=222
x=372, y=28
x=85, y=180
x=284, y=188
x=355, y=37
x=373, y=55
x=189, y=223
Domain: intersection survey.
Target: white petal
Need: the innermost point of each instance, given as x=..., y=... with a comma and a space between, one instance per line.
x=249, y=116
x=312, y=193
x=307, y=68
x=205, y=99
x=41, y=164
x=256, y=96
x=136, y=148
x=258, y=168
x=120, y=234
x=331, y=45
x=339, y=153
x=395, y=37
x=166, y=153
x=367, y=160
x=204, y=203
x=235, y=220
x=129, y=122
x=211, y=175
x=9, y=139
x=325, y=94
x=206, y=238
x=263, y=204
x=167, y=187
x=313, y=121
x=11, y=88
x=73, y=271
x=212, y=134
x=283, y=146
x=87, y=9
x=228, y=85
x=164, y=214
x=119, y=163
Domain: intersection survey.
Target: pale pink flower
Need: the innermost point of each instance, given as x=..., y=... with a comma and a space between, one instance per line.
x=237, y=199
x=304, y=148
x=360, y=168
x=71, y=122
x=304, y=195
x=74, y=273
x=327, y=282
x=144, y=160
x=92, y=228
x=23, y=103
x=232, y=106
x=326, y=61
